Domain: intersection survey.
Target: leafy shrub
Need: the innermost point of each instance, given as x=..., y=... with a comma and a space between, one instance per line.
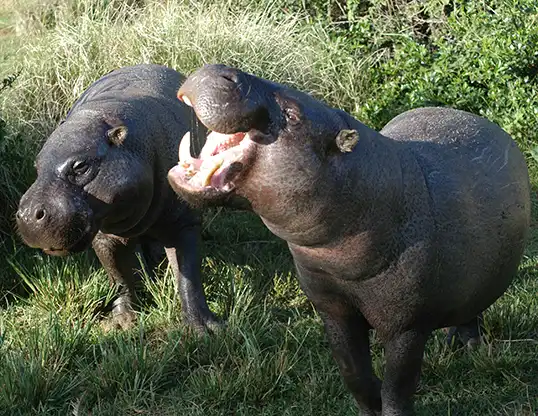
x=475, y=56
x=484, y=61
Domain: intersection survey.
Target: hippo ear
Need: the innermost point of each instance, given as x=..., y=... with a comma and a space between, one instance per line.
x=346, y=140
x=117, y=135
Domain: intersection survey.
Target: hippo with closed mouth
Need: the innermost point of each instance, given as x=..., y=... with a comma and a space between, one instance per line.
x=101, y=182
x=417, y=227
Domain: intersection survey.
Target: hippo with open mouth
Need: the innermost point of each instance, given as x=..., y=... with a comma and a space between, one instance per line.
x=101, y=182
x=417, y=227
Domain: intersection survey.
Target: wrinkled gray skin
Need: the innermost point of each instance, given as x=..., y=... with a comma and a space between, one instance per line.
x=101, y=181
x=417, y=227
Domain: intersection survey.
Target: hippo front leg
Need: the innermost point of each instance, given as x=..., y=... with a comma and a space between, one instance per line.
x=349, y=340
x=403, y=355
x=348, y=334
x=118, y=257
x=185, y=260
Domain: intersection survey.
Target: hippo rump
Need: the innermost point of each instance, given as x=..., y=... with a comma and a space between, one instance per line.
x=101, y=181
x=417, y=227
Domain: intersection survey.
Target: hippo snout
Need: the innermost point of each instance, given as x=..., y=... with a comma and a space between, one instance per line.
x=58, y=224
x=227, y=100
x=33, y=212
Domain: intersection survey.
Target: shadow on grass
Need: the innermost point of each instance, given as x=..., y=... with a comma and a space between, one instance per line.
x=240, y=240
x=19, y=259
x=499, y=378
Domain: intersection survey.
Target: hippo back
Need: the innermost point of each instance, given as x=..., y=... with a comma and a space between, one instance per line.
x=478, y=191
x=145, y=79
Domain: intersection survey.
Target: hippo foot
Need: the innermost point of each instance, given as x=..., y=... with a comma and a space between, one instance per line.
x=457, y=339
x=203, y=324
x=369, y=412
x=123, y=317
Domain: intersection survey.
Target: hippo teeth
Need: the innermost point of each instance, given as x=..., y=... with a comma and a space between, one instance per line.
x=186, y=100
x=208, y=168
x=184, y=148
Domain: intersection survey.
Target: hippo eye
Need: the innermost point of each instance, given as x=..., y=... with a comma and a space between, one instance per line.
x=80, y=167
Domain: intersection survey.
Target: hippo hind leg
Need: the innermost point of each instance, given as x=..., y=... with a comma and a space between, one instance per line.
x=465, y=335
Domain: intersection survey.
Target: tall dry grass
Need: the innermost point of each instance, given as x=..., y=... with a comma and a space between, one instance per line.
x=57, y=65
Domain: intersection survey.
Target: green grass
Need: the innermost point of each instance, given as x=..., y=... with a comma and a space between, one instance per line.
x=272, y=359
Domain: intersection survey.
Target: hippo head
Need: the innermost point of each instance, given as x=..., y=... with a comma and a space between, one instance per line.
x=86, y=180
x=266, y=139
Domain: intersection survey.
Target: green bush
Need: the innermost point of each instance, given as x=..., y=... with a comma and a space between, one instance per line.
x=484, y=61
x=475, y=56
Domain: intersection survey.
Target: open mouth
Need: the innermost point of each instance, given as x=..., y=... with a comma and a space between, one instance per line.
x=221, y=159
x=216, y=171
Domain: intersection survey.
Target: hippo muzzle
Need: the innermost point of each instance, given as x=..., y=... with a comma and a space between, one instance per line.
x=226, y=100
x=55, y=219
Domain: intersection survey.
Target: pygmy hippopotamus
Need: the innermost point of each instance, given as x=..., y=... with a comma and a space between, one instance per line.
x=416, y=227
x=101, y=180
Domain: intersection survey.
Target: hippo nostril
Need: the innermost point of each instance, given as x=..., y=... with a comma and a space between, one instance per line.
x=230, y=77
x=40, y=214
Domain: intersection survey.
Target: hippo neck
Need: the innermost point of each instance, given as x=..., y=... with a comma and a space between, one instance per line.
x=352, y=193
